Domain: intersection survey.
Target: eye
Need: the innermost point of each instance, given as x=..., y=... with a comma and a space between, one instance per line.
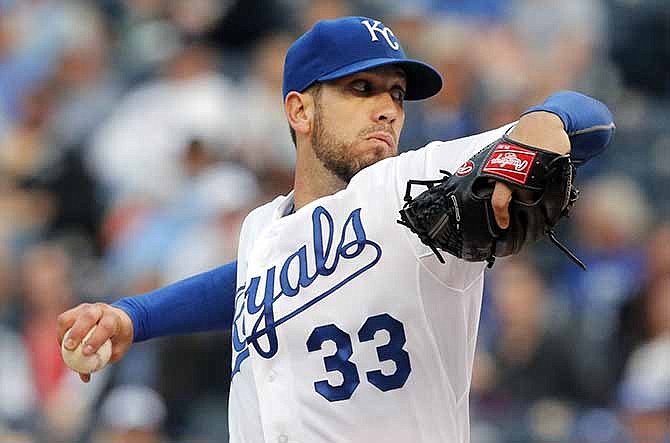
x=361, y=86
x=398, y=94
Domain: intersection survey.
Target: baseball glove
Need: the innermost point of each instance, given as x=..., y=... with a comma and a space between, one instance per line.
x=455, y=213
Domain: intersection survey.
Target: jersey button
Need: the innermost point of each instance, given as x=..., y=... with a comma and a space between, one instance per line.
x=271, y=377
x=283, y=438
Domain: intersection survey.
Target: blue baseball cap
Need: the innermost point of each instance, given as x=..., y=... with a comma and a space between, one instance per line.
x=344, y=46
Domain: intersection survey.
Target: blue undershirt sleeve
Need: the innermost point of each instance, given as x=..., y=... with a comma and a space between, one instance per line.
x=201, y=303
x=588, y=122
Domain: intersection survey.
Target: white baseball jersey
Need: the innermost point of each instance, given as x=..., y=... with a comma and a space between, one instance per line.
x=347, y=328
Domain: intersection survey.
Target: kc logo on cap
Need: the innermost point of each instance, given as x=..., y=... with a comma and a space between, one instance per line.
x=333, y=49
x=384, y=31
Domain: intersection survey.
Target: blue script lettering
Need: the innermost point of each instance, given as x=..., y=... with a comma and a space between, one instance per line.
x=351, y=244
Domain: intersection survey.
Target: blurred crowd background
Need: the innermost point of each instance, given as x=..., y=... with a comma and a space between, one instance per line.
x=136, y=134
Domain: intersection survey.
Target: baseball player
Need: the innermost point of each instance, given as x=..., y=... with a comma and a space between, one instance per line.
x=346, y=326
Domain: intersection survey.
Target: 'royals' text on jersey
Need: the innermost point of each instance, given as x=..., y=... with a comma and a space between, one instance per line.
x=346, y=326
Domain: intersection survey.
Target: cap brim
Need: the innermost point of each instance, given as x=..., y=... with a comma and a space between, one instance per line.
x=423, y=80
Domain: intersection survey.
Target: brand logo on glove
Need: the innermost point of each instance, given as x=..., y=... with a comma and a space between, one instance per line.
x=511, y=162
x=465, y=168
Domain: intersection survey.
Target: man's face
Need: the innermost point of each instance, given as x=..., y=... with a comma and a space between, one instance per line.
x=358, y=119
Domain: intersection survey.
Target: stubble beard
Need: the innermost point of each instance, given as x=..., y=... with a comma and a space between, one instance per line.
x=336, y=155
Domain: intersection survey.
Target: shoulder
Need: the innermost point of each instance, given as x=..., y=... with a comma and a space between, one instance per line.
x=253, y=224
x=259, y=219
x=263, y=214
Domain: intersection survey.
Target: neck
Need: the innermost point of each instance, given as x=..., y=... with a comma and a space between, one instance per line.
x=312, y=179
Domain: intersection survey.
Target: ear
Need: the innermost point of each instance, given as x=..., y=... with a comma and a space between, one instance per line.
x=299, y=109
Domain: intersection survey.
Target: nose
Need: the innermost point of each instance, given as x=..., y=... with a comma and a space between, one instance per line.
x=385, y=109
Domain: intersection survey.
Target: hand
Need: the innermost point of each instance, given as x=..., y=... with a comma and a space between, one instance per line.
x=540, y=129
x=112, y=323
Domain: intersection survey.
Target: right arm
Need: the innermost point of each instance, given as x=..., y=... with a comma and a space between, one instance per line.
x=201, y=303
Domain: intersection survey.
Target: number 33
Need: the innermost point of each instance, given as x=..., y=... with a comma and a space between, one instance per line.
x=340, y=362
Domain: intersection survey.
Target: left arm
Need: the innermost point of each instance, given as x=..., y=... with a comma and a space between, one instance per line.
x=567, y=122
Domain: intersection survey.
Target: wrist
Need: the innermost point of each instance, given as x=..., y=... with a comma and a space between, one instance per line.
x=588, y=122
x=542, y=130
x=127, y=329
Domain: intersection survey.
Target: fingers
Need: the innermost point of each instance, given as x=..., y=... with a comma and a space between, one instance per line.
x=502, y=195
x=109, y=323
x=107, y=327
x=85, y=316
x=65, y=322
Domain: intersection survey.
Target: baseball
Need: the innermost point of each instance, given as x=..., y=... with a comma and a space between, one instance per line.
x=86, y=364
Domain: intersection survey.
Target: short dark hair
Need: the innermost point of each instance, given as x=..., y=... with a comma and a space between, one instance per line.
x=315, y=90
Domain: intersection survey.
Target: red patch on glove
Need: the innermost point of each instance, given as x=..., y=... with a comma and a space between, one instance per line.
x=510, y=161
